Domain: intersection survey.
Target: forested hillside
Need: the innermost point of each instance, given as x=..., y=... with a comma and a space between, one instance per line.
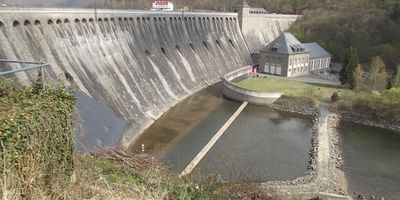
x=372, y=27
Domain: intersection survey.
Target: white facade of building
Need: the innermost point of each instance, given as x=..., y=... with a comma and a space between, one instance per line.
x=162, y=5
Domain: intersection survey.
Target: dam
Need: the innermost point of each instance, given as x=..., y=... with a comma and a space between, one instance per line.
x=127, y=67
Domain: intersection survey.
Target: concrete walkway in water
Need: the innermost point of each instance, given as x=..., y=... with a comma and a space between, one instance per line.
x=324, y=181
x=326, y=177
x=325, y=166
x=196, y=160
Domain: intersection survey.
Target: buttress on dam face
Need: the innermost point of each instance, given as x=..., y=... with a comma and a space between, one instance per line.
x=129, y=67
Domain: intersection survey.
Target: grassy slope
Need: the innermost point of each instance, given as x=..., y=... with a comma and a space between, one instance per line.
x=288, y=87
x=363, y=102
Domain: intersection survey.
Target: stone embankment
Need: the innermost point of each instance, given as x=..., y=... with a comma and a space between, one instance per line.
x=323, y=176
x=375, y=121
x=314, y=113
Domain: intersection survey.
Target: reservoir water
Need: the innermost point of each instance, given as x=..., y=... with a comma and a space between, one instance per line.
x=261, y=145
x=371, y=160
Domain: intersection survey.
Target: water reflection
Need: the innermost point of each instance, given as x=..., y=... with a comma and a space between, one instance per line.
x=261, y=145
x=371, y=160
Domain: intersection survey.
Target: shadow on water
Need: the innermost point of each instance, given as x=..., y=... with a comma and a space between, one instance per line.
x=179, y=121
x=371, y=160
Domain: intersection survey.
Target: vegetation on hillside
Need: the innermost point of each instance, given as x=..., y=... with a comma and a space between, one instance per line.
x=371, y=27
x=349, y=68
x=35, y=139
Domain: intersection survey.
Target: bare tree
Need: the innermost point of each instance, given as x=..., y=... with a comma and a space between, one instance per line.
x=377, y=74
x=396, y=79
x=357, y=77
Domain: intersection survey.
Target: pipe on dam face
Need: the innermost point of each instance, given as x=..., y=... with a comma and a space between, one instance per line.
x=132, y=62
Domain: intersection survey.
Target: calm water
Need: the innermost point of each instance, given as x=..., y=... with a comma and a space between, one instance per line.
x=260, y=145
x=372, y=160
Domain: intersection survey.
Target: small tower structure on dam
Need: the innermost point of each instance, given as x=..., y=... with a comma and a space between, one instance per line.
x=243, y=10
x=259, y=27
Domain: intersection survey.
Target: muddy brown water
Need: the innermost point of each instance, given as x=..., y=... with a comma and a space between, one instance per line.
x=261, y=145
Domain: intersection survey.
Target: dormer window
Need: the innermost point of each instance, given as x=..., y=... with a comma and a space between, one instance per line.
x=274, y=49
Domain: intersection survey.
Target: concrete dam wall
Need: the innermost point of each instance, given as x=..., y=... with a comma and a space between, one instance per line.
x=129, y=67
x=135, y=64
x=261, y=29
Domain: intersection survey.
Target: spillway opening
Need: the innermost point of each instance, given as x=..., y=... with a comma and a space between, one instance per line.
x=16, y=23
x=66, y=21
x=218, y=43
x=58, y=21
x=49, y=22
x=231, y=42
x=164, y=52
x=77, y=21
x=178, y=49
x=37, y=23
x=205, y=45
x=191, y=46
x=84, y=20
x=1, y=24
x=27, y=23
x=147, y=53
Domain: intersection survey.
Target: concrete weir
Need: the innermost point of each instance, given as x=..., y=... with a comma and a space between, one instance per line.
x=211, y=143
x=134, y=64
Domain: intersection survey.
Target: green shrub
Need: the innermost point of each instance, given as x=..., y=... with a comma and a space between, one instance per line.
x=335, y=97
x=36, y=137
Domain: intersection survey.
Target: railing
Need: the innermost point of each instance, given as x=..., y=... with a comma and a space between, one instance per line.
x=34, y=65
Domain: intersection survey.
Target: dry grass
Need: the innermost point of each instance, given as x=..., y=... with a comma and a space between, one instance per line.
x=117, y=174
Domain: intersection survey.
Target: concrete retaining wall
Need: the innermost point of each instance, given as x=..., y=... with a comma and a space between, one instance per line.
x=231, y=91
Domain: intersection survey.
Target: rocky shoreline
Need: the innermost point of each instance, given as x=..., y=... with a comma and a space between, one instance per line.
x=364, y=119
x=310, y=174
x=309, y=183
